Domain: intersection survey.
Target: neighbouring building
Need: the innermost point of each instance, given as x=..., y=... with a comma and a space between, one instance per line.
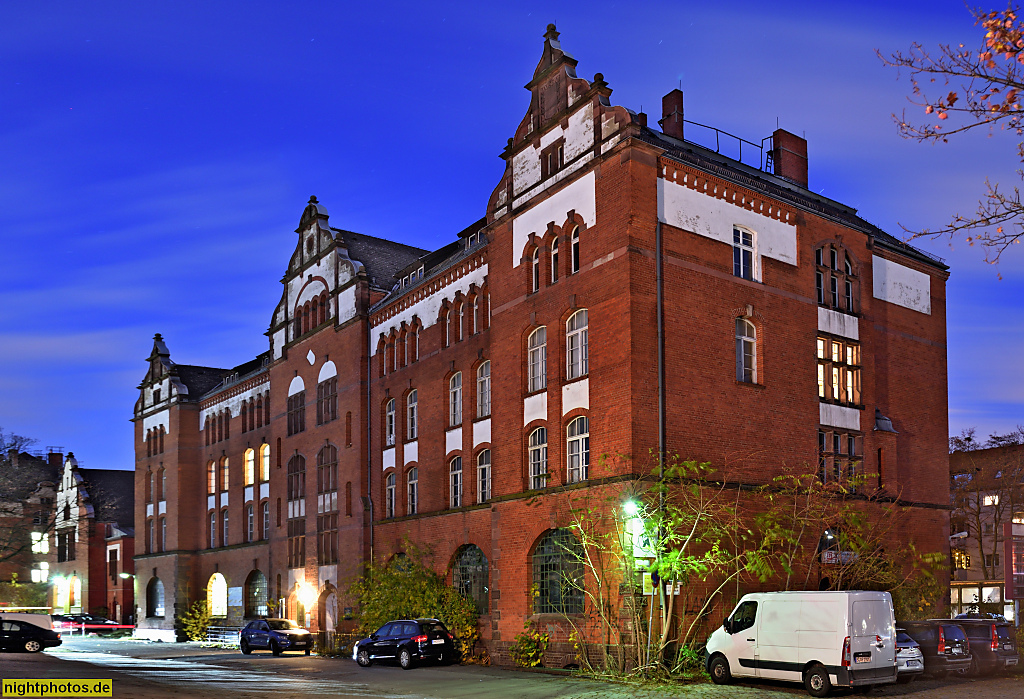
x=450, y=398
x=28, y=487
x=93, y=540
x=987, y=529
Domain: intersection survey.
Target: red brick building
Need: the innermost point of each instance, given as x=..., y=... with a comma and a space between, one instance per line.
x=627, y=290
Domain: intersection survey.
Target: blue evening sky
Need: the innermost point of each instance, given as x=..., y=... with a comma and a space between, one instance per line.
x=155, y=158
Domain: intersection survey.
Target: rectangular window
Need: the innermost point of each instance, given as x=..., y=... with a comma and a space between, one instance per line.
x=537, y=360
x=412, y=503
x=483, y=390
x=411, y=415
x=483, y=462
x=40, y=542
x=296, y=543
x=990, y=500
x=455, y=400
x=297, y=413
x=327, y=538
x=839, y=369
x=455, y=482
x=742, y=253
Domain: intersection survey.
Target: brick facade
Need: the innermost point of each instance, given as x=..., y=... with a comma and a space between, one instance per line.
x=594, y=182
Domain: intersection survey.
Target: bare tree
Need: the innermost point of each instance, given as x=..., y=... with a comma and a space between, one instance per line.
x=981, y=88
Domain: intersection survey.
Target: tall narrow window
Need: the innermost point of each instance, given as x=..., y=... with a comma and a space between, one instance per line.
x=245, y=416
x=264, y=463
x=455, y=400
x=163, y=533
x=483, y=476
x=461, y=330
x=538, y=458
x=840, y=291
x=259, y=411
x=448, y=329
x=225, y=474
x=266, y=408
x=413, y=493
x=455, y=482
x=578, y=450
x=389, y=423
x=250, y=524
x=742, y=253
x=576, y=344
x=535, y=268
x=411, y=416
x=265, y=510
x=225, y=539
x=250, y=466
x=746, y=351
x=213, y=530
x=297, y=413
x=475, y=317
x=483, y=390
x=575, y=245
x=554, y=260
x=389, y=496
x=537, y=360
x=327, y=401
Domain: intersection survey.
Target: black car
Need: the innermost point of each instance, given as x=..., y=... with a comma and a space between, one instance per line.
x=943, y=643
x=992, y=645
x=408, y=641
x=20, y=635
x=275, y=635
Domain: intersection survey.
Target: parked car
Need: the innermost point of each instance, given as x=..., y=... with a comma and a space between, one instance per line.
x=275, y=635
x=909, y=659
x=944, y=645
x=993, y=646
x=823, y=639
x=21, y=635
x=408, y=641
x=43, y=621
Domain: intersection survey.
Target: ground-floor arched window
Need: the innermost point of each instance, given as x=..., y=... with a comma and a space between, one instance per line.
x=217, y=596
x=558, y=574
x=470, y=576
x=256, y=594
x=155, y=598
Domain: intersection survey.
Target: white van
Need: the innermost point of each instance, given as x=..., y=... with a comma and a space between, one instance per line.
x=823, y=639
x=43, y=621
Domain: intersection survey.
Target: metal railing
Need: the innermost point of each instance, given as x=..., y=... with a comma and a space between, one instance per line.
x=764, y=152
x=225, y=635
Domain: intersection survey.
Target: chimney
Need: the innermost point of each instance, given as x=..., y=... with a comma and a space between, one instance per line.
x=55, y=459
x=672, y=114
x=642, y=118
x=789, y=153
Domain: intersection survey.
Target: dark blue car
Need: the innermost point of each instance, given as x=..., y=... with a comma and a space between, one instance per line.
x=408, y=641
x=275, y=635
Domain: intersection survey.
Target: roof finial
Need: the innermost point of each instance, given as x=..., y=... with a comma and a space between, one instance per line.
x=312, y=199
x=551, y=34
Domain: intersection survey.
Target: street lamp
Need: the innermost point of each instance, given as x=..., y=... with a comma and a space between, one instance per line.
x=126, y=576
x=631, y=508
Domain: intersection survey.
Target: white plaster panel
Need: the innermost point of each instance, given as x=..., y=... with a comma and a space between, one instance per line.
x=149, y=509
x=901, y=285
x=297, y=385
x=525, y=169
x=314, y=288
x=279, y=341
x=837, y=323
x=535, y=407
x=580, y=134
x=839, y=416
x=233, y=403
x=224, y=499
x=264, y=491
x=563, y=174
x=579, y=196
x=576, y=395
x=453, y=440
x=295, y=575
x=159, y=419
x=211, y=502
x=410, y=452
x=311, y=357
x=327, y=574
x=347, y=304
x=481, y=432
x=388, y=458
x=327, y=371
x=161, y=507
x=249, y=491
x=714, y=218
x=427, y=309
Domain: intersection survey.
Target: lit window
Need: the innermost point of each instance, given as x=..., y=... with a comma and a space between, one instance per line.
x=483, y=473
x=455, y=482
x=413, y=491
x=578, y=450
x=576, y=344
x=455, y=400
x=538, y=457
x=483, y=390
x=250, y=466
x=990, y=500
x=40, y=542
x=224, y=471
x=389, y=423
x=537, y=360
x=746, y=351
x=217, y=596
x=411, y=409
x=389, y=496
x=742, y=253
x=264, y=463
x=838, y=371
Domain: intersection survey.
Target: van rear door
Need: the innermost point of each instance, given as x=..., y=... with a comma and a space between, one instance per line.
x=873, y=638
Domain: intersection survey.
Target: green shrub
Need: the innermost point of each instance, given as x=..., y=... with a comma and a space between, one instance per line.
x=196, y=621
x=528, y=648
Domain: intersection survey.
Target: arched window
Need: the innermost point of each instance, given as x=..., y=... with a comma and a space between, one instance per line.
x=835, y=279
x=455, y=400
x=575, y=240
x=470, y=577
x=245, y=416
x=389, y=423
x=264, y=463
x=558, y=574
x=537, y=360
x=256, y=594
x=252, y=414
x=535, y=271
x=265, y=511
x=227, y=424
x=296, y=478
x=474, y=317
x=217, y=596
x=225, y=540
x=578, y=450
x=211, y=477
x=576, y=345
x=455, y=482
x=483, y=390
x=554, y=260
x=483, y=476
x=149, y=442
x=266, y=408
x=250, y=466
x=224, y=474
x=389, y=496
x=213, y=530
x=206, y=430
x=411, y=417
x=742, y=253
x=314, y=313
x=161, y=442
x=746, y=351
x=259, y=411
x=415, y=344
x=250, y=524
x=413, y=491
x=538, y=458
x=155, y=599
x=447, y=328
x=461, y=330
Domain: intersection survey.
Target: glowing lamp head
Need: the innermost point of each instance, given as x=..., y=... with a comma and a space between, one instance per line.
x=631, y=508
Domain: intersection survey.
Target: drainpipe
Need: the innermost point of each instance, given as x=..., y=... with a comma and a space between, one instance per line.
x=369, y=427
x=660, y=278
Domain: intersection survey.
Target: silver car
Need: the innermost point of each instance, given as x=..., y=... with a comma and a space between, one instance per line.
x=909, y=659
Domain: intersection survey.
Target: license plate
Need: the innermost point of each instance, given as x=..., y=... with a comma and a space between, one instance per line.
x=958, y=651
x=862, y=658
x=912, y=663
x=1007, y=646
x=1011, y=661
x=437, y=641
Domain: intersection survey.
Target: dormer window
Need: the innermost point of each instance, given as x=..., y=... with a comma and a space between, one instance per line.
x=552, y=158
x=156, y=396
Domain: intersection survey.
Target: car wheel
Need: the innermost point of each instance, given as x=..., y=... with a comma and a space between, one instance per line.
x=274, y=648
x=307, y=651
x=244, y=645
x=816, y=681
x=33, y=646
x=363, y=658
x=405, y=659
x=718, y=668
